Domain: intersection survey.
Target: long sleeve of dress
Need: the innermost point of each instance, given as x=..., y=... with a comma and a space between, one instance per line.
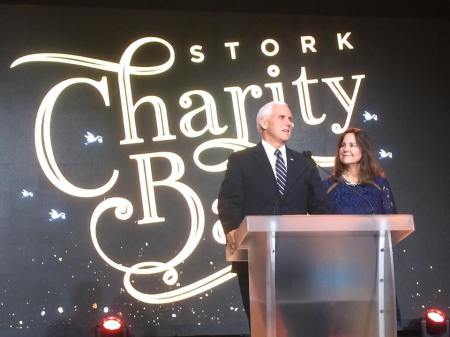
x=387, y=196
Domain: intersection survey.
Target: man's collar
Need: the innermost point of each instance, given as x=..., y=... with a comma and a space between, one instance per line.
x=270, y=149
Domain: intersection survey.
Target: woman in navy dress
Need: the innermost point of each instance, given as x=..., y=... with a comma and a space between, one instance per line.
x=358, y=184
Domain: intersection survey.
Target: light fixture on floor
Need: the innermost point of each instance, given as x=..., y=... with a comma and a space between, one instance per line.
x=434, y=324
x=111, y=326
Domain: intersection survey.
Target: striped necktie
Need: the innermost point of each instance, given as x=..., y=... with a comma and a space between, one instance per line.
x=280, y=168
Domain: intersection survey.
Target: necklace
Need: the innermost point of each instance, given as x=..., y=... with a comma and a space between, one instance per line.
x=348, y=182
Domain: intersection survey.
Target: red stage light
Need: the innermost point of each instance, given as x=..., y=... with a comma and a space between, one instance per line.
x=435, y=316
x=112, y=323
x=112, y=326
x=434, y=324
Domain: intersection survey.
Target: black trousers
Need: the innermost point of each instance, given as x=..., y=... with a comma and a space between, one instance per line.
x=241, y=269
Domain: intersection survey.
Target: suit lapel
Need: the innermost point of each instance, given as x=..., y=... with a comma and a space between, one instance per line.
x=264, y=164
x=294, y=167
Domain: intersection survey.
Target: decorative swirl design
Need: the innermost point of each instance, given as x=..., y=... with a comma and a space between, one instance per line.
x=123, y=209
x=179, y=294
x=104, y=65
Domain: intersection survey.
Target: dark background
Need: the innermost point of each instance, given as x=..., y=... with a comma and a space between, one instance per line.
x=403, y=52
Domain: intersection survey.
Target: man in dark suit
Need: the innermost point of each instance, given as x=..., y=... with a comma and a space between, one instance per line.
x=255, y=182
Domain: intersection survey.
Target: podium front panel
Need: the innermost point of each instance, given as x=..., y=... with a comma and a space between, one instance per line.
x=321, y=276
x=336, y=287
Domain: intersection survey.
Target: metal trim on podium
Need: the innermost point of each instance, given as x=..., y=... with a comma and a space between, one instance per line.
x=320, y=275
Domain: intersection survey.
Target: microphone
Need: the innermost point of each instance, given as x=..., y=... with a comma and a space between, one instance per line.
x=308, y=155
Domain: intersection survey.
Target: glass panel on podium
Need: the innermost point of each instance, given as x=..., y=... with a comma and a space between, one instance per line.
x=321, y=275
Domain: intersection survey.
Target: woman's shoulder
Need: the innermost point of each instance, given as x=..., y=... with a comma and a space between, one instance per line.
x=380, y=182
x=329, y=184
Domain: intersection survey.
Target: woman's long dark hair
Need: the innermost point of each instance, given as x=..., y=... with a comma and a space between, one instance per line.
x=369, y=165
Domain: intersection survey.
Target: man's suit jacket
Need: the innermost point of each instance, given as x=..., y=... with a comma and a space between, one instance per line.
x=250, y=188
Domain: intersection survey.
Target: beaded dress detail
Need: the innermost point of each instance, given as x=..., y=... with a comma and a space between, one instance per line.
x=370, y=198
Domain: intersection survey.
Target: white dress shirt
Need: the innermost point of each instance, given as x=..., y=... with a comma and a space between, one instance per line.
x=270, y=152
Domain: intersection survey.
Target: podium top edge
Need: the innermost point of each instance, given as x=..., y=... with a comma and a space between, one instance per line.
x=326, y=222
x=400, y=225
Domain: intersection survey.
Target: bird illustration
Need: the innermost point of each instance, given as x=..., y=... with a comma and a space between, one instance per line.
x=54, y=214
x=369, y=117
x=384, y=154
x=91, y=138
x=26, y=194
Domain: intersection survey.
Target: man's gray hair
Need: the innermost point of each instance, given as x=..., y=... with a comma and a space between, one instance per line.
x=265, y=112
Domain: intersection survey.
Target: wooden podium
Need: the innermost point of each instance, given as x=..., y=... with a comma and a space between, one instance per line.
x=320, y=275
